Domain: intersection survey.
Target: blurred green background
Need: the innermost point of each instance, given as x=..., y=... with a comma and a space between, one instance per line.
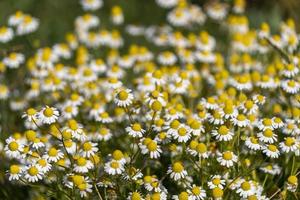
x=57, y=16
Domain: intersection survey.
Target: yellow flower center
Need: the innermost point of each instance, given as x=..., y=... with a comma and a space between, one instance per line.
x=78, y=180
x=117, y=155
x=289, y=141
x=114, y=165
x=182, y=131
x=196, y=191
x=42, y=162
x=223, y=130
x=103, y=131
x=30, y=135
x=227, y=155
x=174, y=124
x=81, y=161
x=216, y=181
x=291, y=83
x=241, y=117
x=123, y=95
x=136, y=196
x=267, y=122
x=272, y=148
x=249, y=104
x=268, y=133
x=293, y=180
x=152, y=146
x=136, y=127
x=31, y=111
x=14, y=169
x=254, y=140
x=156, y=106
x=177, y=167
x=87, y=146
x=33, y=171
x=201, y=148
x=246, y=186
x=217, y=192
x=48, y=112
x=52, y=152
x=13, y=146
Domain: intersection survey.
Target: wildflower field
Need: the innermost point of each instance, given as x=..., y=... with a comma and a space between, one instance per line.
x=149, y=99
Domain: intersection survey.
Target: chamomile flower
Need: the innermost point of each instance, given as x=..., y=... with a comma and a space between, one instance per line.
x=124, y=98
x=197, y=193
x=267, y=136
x=89, y=149
x=28, y=25
x=104, y=118
x=177, y=171
x=76, y=130
x=227, y=159
x=240, y=120
x=6, y=34
x=48, y=115
x=33, y=174
x=114, y=167
x=153, y=149
x=15, y=172
x=216, y=181
x=271, y=151
x=292, y=183
x=271, y=168
x=43, y=165
x=135, y=130
x=91, y=4
x=167, y=3
x=104, y=134
x=53, y=155
x=246, y=189
x=290, y=86
x=83, y=165
x=290, y=144
x=253, y=143
x=14, y=60
x=30, y=115
x=13, y=148
x=182, y=134
x=223, y=134
x=135, y=196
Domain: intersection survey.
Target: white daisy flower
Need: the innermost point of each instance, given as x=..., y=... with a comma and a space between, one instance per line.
x=267, y=136
x=15, y=172
x=177, y=171
x=135, y=130
x=227, y=159
x=48, y=115
x=13, y=148
x=216, y=182
x=33, y=174
x=53, y=155
x=14, y=60
x=113, y=167
x=83, y=165
x=223, y=134
x=6, y=34
x=124, y=98
x=197, y=193
x=271, y=151
x=290, y=144
x=89, y=149
x=253, y=143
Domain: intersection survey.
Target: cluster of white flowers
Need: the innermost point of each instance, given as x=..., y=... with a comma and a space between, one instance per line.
x=188, y=120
